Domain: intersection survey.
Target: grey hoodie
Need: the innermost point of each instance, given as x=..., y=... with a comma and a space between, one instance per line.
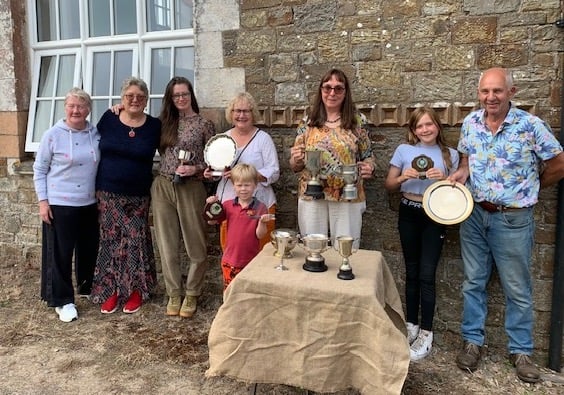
x=64, y=171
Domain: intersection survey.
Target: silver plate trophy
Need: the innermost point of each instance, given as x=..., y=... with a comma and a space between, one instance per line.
x=344, y=244
x=314, y=188
x=315, y=244
x=184, y=158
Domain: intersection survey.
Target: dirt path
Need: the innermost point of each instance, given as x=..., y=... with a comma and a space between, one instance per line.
x=150, y=353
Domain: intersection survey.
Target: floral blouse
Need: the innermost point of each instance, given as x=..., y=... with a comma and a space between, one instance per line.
x=339, y=147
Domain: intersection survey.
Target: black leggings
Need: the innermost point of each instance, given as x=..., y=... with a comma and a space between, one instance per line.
x=421, y=241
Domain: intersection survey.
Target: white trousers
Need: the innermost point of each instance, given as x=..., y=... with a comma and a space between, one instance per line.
x=331, y=218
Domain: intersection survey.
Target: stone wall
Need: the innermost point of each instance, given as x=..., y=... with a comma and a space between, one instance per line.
x=398, y=55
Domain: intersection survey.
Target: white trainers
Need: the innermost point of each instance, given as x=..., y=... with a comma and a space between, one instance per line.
x=67, y=313
x=422, y=346
x=412, y=332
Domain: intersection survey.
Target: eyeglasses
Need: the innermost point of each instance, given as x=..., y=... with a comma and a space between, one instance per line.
x=178, y=96
x=240, y=111
x=79, y=107
x=131, y=96
x=338, y=89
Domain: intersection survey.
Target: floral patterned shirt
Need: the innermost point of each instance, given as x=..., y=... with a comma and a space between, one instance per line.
x=193, y=133
x=339, y=147
x=504, y=167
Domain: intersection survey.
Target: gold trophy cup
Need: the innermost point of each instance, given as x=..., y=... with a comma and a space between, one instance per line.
x=344, y=244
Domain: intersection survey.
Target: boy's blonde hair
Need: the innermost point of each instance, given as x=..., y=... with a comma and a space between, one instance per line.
x=244, y=172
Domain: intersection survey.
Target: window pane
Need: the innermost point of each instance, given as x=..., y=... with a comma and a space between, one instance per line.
x=99, y=18
x=59, y=109
x=46, y=20
x=66, y=74
x=47, y=72
x=183, y=14
x=184, y=62
x=100, y=73
x=99, y=106
x=42, y=119
x=122, y=69
x=158, y=15
x=70, y=19
x=125, y=17
x=155, y=107
x=160, y=69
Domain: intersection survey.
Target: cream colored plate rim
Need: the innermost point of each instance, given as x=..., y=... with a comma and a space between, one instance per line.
x=446, y=203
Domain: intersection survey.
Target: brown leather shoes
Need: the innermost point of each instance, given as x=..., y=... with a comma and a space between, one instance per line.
x=525, y=368
x=468, y=358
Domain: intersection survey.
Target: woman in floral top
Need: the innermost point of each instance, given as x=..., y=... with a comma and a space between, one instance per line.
x=335, y=128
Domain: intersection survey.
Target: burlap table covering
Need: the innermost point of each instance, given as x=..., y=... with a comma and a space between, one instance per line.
x=312, y=330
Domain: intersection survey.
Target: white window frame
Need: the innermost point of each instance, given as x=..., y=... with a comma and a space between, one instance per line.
x=84, y=48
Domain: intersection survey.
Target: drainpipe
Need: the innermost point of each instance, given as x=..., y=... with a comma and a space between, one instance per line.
x=555, y=340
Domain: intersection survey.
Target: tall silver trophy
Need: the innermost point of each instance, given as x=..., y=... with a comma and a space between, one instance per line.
x=349, y=173
x=344, y=244
x=282, y=241
x=314, y=187
x=315, y=244
x=184, y=158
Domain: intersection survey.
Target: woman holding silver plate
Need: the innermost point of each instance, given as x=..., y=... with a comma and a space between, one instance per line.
x=333, y=154
x=255, y=147
x=178, y=195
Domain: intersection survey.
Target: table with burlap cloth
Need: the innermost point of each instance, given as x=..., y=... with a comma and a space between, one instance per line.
x=312, y=330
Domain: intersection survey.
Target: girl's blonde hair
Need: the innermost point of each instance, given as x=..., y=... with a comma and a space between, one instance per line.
x=412, y=138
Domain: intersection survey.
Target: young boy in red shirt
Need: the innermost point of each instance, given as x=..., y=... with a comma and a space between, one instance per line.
x=246, y=218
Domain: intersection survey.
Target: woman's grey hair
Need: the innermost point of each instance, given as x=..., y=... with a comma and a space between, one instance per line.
x=79, y=94
x=131, y=81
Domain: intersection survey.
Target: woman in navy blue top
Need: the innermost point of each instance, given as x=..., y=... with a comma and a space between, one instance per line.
x=125, y=269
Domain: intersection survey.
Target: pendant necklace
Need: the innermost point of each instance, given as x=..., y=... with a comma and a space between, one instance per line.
x=334, y=120
x=132, y=132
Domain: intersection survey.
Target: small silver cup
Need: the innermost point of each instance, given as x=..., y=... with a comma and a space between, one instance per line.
x=313, y=164
x=184, y=157
x=315, y=244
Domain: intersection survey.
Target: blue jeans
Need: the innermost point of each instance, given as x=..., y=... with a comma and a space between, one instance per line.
x=506, y=240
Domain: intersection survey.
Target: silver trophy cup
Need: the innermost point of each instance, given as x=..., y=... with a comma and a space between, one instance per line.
x=313, y=164
x=315, y=244
x=184, y=157
x=349, y=173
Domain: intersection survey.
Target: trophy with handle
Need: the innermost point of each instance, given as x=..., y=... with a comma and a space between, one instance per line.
x=313, y=164
x=349, y=173
x=344, y=244
x=184, y=157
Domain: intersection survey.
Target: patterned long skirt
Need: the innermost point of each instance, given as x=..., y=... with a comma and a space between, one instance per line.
x=126, y=260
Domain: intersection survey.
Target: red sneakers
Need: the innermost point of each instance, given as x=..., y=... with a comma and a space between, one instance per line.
x=134, y=303
x=110, y=305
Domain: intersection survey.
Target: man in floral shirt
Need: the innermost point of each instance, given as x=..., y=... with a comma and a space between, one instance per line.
x=507, y=154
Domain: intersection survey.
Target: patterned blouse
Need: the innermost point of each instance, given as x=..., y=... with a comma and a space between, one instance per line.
x=339, y=147
x=504, y=167
x=193, y=133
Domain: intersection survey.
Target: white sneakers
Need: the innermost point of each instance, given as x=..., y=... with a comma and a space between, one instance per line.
x=67, y=313
x=422, y=345
x=412, y=332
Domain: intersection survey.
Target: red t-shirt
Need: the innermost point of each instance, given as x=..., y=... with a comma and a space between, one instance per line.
x=242, y=244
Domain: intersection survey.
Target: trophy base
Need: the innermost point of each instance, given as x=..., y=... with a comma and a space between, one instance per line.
x=345, y=274
x=315, y=191
x=315, y=266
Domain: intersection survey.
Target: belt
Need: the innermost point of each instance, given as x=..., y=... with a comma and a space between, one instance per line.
x=411, y=203
x=167, y=176
x=497, y=208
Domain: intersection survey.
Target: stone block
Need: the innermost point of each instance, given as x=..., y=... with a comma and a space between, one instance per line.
x=474, y=30
x=283, y=67
x=256, y=42
x=290, y=93
x=488, y=7
x=507, y=55
x=315, y=16
x=455, y=57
